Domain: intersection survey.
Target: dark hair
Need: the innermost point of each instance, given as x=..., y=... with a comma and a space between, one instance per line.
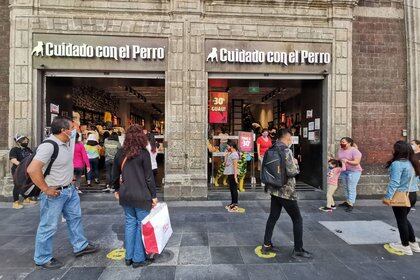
x=282, y=133
x=416, y=141
x=59, y=123
x=264, y=130
x=106, y=134
x=232, y=144
x=348, y=140
x=402, y=150
x=113, y=136
x=92, y=143
x=224, y=130
x=152, y=140
x=77, y=137
x=135, y=141
x=336, y=162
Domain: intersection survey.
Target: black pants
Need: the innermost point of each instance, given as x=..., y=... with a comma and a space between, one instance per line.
x=413, y=198
x=108, y=168
x=292, y=209
x=233, y=188
x=404, y=226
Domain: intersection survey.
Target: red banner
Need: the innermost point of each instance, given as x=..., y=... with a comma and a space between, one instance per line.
x=218, y=107
x=246, y=142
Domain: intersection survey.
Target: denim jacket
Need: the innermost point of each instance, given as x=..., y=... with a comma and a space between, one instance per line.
x=402, y=178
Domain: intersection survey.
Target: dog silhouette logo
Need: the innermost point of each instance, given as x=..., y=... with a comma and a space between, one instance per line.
x=212, y=55
x=39, y=49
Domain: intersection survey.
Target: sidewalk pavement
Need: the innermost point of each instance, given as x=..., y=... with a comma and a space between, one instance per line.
x=210, y=243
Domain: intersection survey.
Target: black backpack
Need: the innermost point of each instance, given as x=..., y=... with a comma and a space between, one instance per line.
x=21, y=178
x=273, y=168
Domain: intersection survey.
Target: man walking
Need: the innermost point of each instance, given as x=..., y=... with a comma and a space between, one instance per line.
x=59, y=196
x=286, y=197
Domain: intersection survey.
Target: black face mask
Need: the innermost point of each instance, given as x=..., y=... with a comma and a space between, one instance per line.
x=24, y=144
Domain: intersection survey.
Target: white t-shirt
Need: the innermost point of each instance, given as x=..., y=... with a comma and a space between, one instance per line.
x=152, y=156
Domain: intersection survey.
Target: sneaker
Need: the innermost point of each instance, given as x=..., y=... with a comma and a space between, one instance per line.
x=403, y=249
x=325, y=209
x=142, y=264
x=344, y=204
x=106, y=190
x=79, y=191
x=415, y=247
x=29, y=201
x=17, y=205
x=97, y=181
x=349, y=208
x=90, y=249
x=301, y=254
x=128, y=262
x=265, y=250
x=52, y=264
x=333, y=207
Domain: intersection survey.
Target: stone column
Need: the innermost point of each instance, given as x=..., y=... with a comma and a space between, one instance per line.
x=412, y=22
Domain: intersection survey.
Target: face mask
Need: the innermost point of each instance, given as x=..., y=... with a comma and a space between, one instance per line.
x=72, y=134
x=343, y=146
x=24, y=144
x=330, y=166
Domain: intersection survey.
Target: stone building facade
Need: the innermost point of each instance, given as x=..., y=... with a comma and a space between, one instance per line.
x=372, y=91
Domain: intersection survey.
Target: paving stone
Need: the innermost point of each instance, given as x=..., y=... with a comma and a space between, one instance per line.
x=157, y=273
x=175, y=240
x=264, y=271
x=229, y=272
x=198, y=255
x=249, y=256
x=193, y=273
x=194, y=227
x=369, y=271
x=85, y=273
x=195, y=239
x=14, y=274
x=225, y=255
x=44, y=274
x=169, y=257
x=112, y=273
x=221, y=239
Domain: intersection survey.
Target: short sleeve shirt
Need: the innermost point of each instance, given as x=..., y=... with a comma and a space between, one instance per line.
x=61, y=173
x=19, y=154
x=229, y=166
x=264, y=145
x=350, y=154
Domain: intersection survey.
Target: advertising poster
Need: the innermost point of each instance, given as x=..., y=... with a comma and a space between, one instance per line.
x=246, y=142
x=311, y=126
x=218, y=107
x=317, y=123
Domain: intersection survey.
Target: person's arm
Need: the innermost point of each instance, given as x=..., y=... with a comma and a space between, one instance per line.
x=34, y=170
x=148, y=174
x=258, y=149
x=235, y=170
x=85, y=158
x=395, y=172
x=14, y=161
x=116, y=171
x=292, y=169
x=357, y=157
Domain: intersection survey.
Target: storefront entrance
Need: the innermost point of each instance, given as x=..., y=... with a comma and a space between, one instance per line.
x=105, y=106
x=241, y=108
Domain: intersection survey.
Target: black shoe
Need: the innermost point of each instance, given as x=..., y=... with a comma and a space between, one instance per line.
x=128, y=262
x=333, y=207
x=90, y=249
x=344, y=204
x=301, y=254
x=52, y=264
x=349, y=208
x=265, y=250
x=142, y=264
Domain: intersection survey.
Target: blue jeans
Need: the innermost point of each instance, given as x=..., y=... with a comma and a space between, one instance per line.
x=68, y=204
x=350, y=180
x=134, y=249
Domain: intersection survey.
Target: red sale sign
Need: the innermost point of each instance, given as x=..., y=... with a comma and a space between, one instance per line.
x=246, y=142
x=218, y=107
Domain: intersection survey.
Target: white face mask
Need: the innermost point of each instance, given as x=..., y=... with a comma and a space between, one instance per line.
x=414, y=147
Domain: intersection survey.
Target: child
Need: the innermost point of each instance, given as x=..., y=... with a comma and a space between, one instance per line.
x=335, y=168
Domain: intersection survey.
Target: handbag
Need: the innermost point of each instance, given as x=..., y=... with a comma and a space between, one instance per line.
x=401, y=199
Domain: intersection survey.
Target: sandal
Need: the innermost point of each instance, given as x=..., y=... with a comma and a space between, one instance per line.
x=234, y=208
x=227, y=207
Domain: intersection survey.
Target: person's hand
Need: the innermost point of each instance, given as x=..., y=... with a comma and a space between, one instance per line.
x=344, y=161
x=154, y=202
x=117, y=195
x=236, y=180
x=52, y=192
x=295, y=161
x=386, y=201
x=299, y=157
x=87, y=170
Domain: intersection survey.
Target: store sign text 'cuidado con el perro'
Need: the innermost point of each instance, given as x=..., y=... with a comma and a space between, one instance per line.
x=240, y=56
x=69, y=50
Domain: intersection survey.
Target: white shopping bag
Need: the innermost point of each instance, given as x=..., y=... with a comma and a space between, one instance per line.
x=156, y=229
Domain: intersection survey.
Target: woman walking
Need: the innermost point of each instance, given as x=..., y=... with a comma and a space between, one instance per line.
x=231, y=171
x=80, y=162
x=403, y=171
x=415, y=144
x=111, y=146
x=136, y=190
x=92, y=148
x=351, y=157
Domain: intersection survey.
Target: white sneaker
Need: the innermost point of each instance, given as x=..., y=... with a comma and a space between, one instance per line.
x=403, y=249
x=415, y=247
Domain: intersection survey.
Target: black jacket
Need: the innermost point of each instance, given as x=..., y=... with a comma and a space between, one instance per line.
x=138, y=186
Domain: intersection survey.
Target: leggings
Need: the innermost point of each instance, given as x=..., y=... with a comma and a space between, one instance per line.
x=94, y=169
x=404, y=226
x=233, y=188
x=292, y=209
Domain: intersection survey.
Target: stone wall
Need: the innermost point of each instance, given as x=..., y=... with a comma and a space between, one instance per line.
x=4, y=70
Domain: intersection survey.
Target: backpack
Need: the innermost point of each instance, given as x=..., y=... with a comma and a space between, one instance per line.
x=21, y=178
x=273, y=169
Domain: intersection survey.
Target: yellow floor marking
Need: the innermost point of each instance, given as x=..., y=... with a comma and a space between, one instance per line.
x=392, y=251
x=259, y=253
x=117, y=254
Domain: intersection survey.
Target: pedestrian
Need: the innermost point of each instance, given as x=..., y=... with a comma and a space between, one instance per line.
x=136, y=191
x=80, y=162
x=111, y=146
x=403, y=170
x=232, y=171
x=59, y=196
x=93, y=149
x=335, y=167
x=351, y=157
x=16, y=155
x=285, y=197
x=263, y=144
x=415, y=144
x=152, y=149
